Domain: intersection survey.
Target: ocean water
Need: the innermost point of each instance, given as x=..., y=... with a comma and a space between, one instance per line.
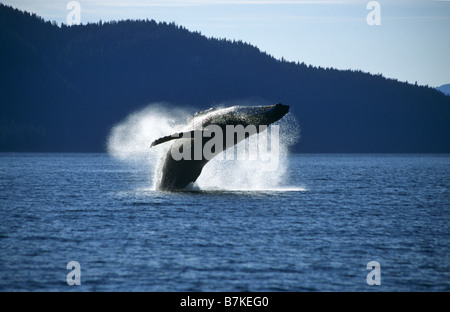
x=314, y=229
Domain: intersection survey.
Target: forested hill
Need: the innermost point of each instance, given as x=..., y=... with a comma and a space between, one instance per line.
x=63, y=88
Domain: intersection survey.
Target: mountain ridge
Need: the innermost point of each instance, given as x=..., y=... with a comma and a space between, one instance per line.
x=444, y=89
x=63, y=88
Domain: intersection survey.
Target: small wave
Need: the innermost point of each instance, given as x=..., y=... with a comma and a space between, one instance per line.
x=196, y=188
x=193, y=187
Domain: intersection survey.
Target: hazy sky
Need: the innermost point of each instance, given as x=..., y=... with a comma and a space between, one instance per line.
x=411, y=44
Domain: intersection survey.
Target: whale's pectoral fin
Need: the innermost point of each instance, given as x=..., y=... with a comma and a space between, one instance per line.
x=185, y=135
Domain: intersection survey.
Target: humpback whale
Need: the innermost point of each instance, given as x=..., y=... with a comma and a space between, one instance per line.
x=185, y=159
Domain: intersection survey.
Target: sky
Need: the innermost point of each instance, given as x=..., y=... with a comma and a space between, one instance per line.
x=408, y=40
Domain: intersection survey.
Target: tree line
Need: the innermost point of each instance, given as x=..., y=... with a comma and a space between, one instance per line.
x=62, y=88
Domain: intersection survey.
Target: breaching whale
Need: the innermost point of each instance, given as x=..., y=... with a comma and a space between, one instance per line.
x=213, y=124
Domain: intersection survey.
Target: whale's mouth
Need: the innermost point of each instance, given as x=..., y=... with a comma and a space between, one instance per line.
x=281, y=108
x=275, y=112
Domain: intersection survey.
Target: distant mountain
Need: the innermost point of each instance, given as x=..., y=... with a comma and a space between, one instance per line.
x=63, y=88
x=444, y=89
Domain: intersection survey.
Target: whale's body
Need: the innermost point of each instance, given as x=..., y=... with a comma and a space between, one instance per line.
x=177, y=173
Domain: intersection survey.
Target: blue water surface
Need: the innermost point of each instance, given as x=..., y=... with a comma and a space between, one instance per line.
x=316, y=232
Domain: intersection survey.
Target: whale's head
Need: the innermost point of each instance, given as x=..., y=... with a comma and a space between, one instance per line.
x=271, y=113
